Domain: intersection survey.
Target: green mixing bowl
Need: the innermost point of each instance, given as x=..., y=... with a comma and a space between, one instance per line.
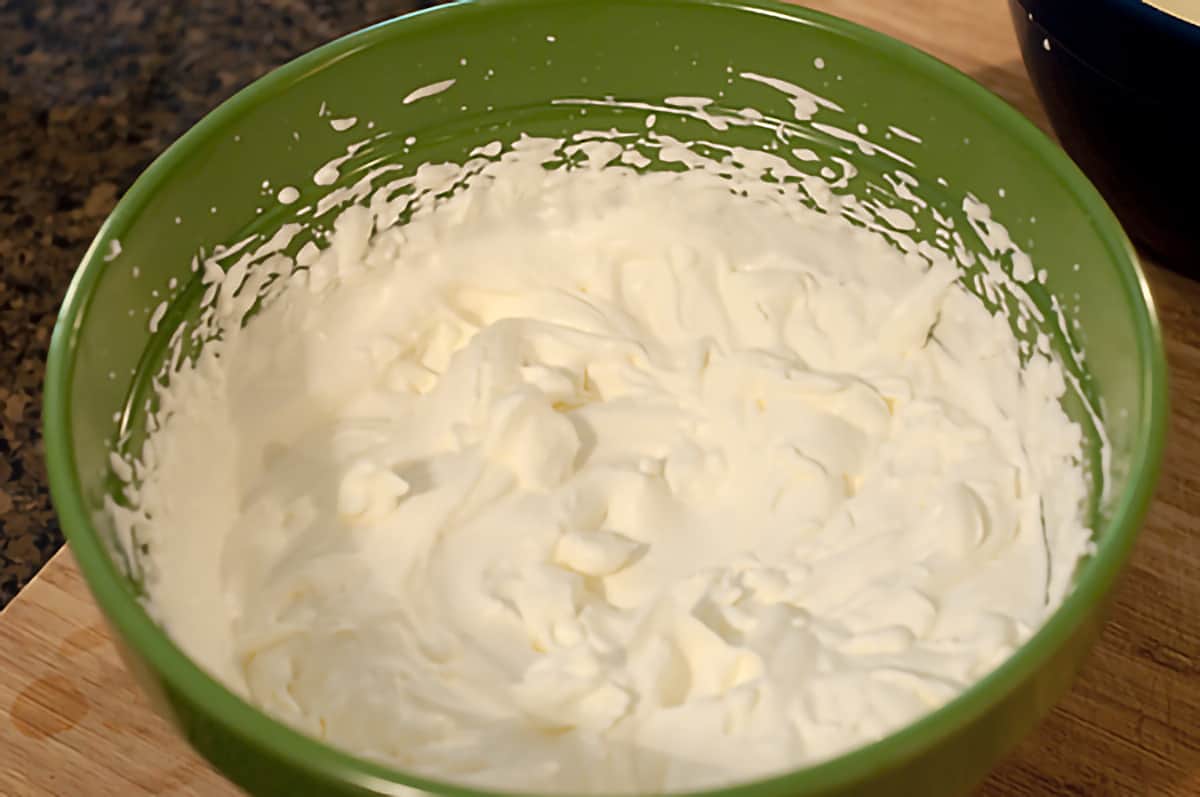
x=510, y=61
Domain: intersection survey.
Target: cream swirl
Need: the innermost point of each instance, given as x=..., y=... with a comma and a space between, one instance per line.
x=592, y=481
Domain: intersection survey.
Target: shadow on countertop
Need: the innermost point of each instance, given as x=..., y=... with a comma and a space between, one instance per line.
x=90, y=92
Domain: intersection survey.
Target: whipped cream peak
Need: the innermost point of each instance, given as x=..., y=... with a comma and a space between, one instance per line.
x=589, y=480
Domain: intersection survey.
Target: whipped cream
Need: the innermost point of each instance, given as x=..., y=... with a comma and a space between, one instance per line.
x=596, y=481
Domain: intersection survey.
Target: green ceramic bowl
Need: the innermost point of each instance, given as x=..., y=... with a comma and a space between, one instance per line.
x=510, y=60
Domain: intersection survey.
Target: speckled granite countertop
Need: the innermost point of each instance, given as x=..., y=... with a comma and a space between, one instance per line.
x=90, y=92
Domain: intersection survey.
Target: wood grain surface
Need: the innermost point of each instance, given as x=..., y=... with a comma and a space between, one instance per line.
x=72, y=722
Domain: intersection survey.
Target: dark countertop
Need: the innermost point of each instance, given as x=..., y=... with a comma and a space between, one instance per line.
x=90, y=92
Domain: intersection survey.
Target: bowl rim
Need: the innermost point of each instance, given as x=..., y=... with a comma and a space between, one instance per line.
x=327, y=764
x=1142, y=48
x=1141, y=11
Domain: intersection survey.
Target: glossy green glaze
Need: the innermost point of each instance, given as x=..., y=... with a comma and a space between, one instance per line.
x=206, y=188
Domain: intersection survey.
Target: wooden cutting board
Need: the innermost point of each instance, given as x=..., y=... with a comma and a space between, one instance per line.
x=73, y=724
x=72, y=721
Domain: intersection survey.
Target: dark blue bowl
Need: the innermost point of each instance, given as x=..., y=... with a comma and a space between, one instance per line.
x=1120, y=81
